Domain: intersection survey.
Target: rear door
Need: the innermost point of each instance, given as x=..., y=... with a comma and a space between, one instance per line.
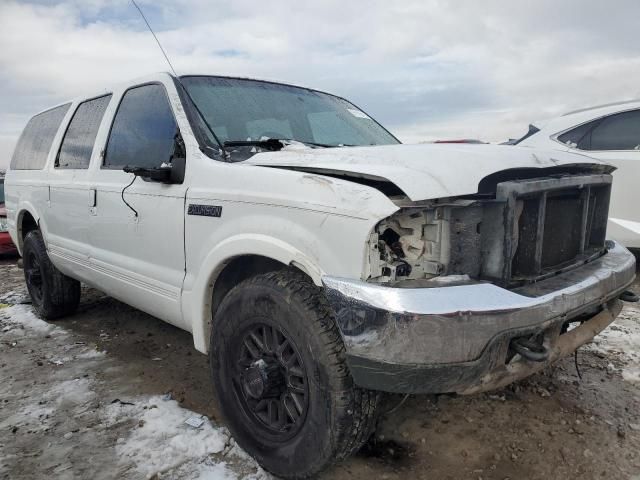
x=137, y=226
x=70, y=188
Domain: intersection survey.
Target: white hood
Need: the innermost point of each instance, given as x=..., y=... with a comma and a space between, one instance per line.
x=425, y=171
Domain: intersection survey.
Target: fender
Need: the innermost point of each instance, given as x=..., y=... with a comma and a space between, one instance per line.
x=196, y=303
x=26, y=207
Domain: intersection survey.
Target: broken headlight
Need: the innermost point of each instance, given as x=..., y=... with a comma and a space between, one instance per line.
x=421, y=243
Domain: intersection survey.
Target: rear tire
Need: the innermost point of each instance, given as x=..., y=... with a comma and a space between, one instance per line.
x=279, y=371
x=53, y=294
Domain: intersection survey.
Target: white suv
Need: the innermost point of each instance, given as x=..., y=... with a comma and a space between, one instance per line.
x=611, y=133
x=315, y=259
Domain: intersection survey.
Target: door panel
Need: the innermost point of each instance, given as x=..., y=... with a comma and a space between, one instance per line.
x=137, y=250
x=69, y=190
x=625, y=199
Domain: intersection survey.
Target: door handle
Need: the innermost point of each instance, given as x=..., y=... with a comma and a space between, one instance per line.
x=93, y=201
x=93, y=197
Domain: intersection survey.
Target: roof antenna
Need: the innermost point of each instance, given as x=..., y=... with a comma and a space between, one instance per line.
x=154, y=36
x=186, y=92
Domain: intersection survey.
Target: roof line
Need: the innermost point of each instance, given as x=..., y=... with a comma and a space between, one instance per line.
x=612, y=104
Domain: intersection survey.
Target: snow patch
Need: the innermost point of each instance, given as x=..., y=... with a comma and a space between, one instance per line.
x=13, y=298
x=70, y=393
x=207, y=470
x=91, y=354
x=621, y=341
x=22, y=317
x=160, y=441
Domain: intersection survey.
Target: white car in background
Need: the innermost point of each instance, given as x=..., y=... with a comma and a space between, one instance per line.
x=610, y=133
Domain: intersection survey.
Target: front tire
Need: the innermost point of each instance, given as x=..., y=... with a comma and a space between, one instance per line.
x=278, y=367
x=53, y=294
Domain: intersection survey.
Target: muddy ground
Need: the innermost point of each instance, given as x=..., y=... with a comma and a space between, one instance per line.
x=74, y=399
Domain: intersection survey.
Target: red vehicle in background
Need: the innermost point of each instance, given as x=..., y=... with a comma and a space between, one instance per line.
x=6, y=245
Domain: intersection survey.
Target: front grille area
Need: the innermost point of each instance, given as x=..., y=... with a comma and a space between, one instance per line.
x=553, y=224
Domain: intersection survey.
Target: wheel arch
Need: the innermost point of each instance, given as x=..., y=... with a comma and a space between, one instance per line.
x=26, y=220
x=231, y=262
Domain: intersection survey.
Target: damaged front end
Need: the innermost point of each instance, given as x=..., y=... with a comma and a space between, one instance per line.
x=467, y=294
x=523, y=231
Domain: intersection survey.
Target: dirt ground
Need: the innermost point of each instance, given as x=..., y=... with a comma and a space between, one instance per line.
x=77, y=400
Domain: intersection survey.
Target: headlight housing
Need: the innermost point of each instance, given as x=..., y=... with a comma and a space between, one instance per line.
x=421, y=243
x=4, y=225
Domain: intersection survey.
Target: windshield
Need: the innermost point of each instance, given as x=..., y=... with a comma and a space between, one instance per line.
x=239, y=110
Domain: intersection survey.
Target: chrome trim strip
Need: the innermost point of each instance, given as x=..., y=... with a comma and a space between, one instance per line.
x=130, y=278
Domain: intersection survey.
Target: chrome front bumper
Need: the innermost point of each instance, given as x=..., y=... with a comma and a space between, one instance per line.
x=447, y=338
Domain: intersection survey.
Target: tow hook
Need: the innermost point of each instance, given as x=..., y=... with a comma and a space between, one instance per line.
x=629, y=296
x=530, y=349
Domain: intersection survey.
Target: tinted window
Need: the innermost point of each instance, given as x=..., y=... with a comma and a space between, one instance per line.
x=1, y=191
x=143, y=130
x=77, y=144
x=576, y=138
x=35, y=142
x=617, y=132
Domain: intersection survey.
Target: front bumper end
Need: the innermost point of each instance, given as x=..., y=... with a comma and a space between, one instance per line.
x=456, y=338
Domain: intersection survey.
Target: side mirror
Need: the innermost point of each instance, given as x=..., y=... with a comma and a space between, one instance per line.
x=160, y=174
x=178, y=159
x=172, y=172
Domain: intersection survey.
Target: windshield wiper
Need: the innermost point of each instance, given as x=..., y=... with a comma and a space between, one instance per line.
x=273, y=143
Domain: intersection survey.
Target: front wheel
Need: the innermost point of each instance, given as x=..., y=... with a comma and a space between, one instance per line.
x=278, y=367
x=53, y=294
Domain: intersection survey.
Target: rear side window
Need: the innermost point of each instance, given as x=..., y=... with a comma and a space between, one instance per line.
x=77, y=144
x=615, y=132
x=143, y=130
x=576, y=138
x=35, y=142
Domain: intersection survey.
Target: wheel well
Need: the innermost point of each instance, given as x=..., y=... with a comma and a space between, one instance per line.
x=27, y=224
x=237, y=270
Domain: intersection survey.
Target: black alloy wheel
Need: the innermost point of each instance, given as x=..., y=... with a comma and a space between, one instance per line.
x=33, y=276
x=53, y=294
x=281, y=379
x=271, y=381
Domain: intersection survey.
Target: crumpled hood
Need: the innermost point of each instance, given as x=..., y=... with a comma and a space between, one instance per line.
x=425, y=171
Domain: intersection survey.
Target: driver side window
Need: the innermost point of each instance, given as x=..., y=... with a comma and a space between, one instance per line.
x=143, y=130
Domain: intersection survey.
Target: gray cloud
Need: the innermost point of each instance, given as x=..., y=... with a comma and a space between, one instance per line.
x=425, y=68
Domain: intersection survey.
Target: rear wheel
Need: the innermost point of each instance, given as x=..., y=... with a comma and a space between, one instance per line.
x=278, y=366
x=53, y=294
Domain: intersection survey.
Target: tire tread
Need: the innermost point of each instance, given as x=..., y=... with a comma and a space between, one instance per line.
x=361, y=405
x=63, y=296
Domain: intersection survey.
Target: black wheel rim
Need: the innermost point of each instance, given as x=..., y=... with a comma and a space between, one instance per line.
x=270, y=381
x=33, y=276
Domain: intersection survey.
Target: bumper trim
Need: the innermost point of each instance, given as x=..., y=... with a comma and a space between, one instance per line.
x=405, y=330
x=489, y=372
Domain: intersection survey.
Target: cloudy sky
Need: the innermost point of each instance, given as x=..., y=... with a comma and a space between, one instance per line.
x=427, y=69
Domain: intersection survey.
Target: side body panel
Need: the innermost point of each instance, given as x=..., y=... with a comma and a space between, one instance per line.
x=139, y=259
x=28, y=191
x=314, y=223
x=70, y=201
x=624, y=214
